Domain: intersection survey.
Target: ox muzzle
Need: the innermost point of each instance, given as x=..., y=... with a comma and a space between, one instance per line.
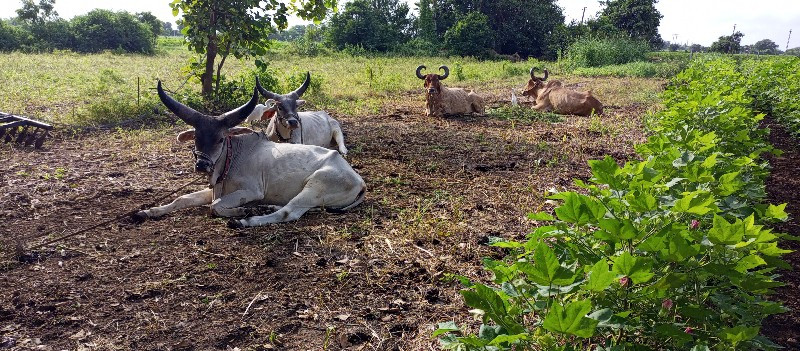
x=203, y=162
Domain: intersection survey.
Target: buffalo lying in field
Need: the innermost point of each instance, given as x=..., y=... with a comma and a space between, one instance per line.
x=552, y=96
x=441, y=100
x=248, y=168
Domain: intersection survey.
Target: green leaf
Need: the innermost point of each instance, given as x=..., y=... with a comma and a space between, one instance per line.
x=679, y=249
x=749, y=262
x=738, y=334
x=486, y=299
x=546, y=269
x=619, y=230
x=541, y=216
x=710, y=161
x=580, y=209
x=605, y=171
x=445, y=327
x=600, y=277
x=696, y=202
x=509, y=339
x=684, y=160
x=571, y=319
x=638, y=269
x=643, y=202
x=777, y=212
x=724, y=233
x=607, y=319
x=729, y=184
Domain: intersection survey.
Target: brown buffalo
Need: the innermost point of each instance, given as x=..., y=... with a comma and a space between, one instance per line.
x=553, y=96
x=441, y=100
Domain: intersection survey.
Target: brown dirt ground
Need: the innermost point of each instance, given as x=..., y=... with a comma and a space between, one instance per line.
x=782, y=187
x=370, y=279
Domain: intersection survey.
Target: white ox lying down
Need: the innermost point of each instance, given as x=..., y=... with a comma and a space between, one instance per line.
x=316, y=127
x=249, y=168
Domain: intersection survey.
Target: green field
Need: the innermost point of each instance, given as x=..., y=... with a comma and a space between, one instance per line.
x=106, y=89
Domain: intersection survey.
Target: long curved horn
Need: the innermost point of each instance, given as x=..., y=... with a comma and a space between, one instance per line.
x=419, y=72
x=446, y=72
x=186, y=113
x=266, y=93
x=302, y=89
x=533, y=69
x=545, y=75
x=233, y=118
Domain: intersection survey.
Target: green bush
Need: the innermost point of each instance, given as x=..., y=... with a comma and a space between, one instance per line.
x=11, y=37
x=101, y=30
x=596, y=52
x=667, y=253
x=471, y=36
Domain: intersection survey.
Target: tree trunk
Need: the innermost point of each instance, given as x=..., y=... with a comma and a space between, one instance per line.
x=207, y=78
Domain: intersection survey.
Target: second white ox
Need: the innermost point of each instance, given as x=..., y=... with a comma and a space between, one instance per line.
x=249, y=168
x=288, y=125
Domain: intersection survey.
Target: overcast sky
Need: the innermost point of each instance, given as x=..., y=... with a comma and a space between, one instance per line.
x=693, y=21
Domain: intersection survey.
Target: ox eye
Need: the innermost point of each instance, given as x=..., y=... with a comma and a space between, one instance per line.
x=220, y=140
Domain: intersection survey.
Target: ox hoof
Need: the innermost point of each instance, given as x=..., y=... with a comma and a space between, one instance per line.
x=235, y=224
x=139, y=217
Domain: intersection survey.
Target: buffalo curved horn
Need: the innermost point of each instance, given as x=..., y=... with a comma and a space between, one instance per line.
x=446, y=72
x=302, y=89
x=545, y=75
x=233, y=118
x=266, y=93
x=419, y=72
x=186, y=113
x=533, y=70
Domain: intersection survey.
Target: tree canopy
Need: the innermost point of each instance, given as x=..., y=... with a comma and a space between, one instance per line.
x=376, y=25
x=638, y=19
x=766, y=46
x=237, y=27
x=729, y=44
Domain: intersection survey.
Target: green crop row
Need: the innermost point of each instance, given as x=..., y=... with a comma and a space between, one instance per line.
x=776, y=88
x=667, y=253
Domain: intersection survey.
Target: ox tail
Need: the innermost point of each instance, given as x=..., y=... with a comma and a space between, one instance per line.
x=359, y=199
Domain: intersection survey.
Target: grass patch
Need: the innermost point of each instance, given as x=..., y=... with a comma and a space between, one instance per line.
x=523, y=114
x=638, y=69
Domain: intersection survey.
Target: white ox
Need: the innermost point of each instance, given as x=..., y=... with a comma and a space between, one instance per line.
x=249, y=168
x=315, y=127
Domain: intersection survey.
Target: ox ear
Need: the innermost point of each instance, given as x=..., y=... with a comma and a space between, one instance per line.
x=238, y=131
x=300, y=103
x=272, y=105
x=186, y=136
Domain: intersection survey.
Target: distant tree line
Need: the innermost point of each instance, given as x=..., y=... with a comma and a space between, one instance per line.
x=480, y=28
x=38, y=28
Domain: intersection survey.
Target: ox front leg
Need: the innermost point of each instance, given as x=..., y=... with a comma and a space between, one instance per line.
x=199, y=198
x=542, y=107
x=230, y=205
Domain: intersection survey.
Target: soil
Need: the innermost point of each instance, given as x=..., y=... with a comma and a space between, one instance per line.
x=783, y=186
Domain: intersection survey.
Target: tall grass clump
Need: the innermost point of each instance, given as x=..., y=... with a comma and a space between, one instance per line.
x=596, y=52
